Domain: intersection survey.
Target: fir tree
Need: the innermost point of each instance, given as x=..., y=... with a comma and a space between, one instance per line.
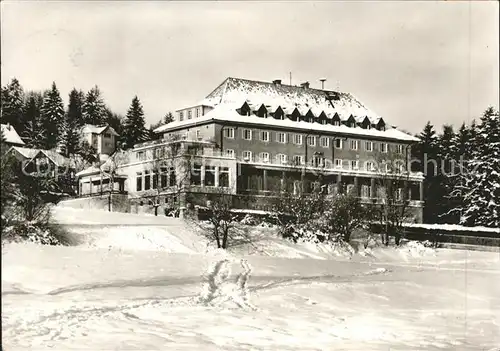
x=34, y=133
x=94, y=109
x=73, y=123
x=53, y=118
x=481, y=186
x=169, y=118
x=115, y=121
x=12, y=103
x=443, y=181
x=426, y=155
x=134, y=129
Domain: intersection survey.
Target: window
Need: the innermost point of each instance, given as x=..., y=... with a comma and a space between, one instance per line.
x=297, y=139
x=190, y=114
x=369, y=146
x=264, y=136
x=247, y=155
x=247, y=134
x=196, y=174
x=383, y=147
x=107, y=135
x=147, y=180
x=366, y=191
x=138, y=178
x=399, y=149
x=155, y=179
x=163, y=177
x=338, y=163
x=399, y=194
x=324, y=141
x=140, y=155
x=281, y=158
x=197, y=112
x=230, y=153
x=339, y=144
x=311, y=140
x=370, y=166
x=318, y=161
x=354, y=144
x=264, y=157
x=281, y=137
x=181, y=116
x=229, y=133
x=171, y=177
x=298, y=160
x=354, y=164
x=224, y=176
x=107, y=144
x=209, y=175
x=198, y=134
x=336, y=123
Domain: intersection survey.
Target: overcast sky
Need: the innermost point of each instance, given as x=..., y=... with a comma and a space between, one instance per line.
x=408, y=61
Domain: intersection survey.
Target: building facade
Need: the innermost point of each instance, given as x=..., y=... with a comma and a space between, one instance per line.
x=265, y=135
x=101, y=138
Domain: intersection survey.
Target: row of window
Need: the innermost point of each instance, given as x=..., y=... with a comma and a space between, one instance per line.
x=154, y=179
x=189, y=115
x=210, y=176
x=317, y=161
x=164, y=178
x=312, y=140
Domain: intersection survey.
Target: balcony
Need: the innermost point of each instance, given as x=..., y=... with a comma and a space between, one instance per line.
x=324, y=166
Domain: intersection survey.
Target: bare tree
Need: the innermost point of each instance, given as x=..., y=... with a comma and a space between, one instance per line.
x=110, y=169
x=171, y=170
x=343, y=214
x=393, y=193
x=221, y=217
x=297, y=203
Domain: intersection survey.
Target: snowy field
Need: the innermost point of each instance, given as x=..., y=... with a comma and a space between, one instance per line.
x=142, y=287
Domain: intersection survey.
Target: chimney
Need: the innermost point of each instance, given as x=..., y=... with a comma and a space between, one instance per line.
x=305, y=85
x=277, y=81
x=8, y=126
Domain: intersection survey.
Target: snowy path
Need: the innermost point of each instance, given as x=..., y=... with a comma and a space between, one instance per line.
x=80, y=298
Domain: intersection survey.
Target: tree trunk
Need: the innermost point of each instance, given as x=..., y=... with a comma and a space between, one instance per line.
x=224, y=238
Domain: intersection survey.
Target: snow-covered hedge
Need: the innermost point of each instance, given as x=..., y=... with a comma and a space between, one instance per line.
x=37, y=233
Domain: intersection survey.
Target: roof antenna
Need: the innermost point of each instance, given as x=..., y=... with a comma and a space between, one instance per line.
x=290, y=78
x=338, y=85
x=322, y=80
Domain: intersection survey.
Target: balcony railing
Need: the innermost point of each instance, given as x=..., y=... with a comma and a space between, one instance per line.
x=324, y=165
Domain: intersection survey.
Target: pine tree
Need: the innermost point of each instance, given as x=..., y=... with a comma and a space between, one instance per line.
x=73, y=123
x=116, y=121
x=52, y=118
x=443, y=180
x=481, y=189
x=134, y=130
x=426, y=153
x=34, y=134
x=169, y=118
x=12, y=103
x=94, y=109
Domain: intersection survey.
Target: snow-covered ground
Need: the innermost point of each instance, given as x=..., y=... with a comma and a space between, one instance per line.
x=130, y=286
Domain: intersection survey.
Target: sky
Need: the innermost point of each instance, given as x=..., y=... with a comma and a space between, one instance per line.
x=410, y=62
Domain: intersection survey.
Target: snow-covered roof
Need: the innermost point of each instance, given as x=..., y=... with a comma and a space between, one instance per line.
x=98, y=129
x=26, y=152
x=88, y=171
x=53, y=155
x=10, y=135
x=233, y=92
x=227, y=112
